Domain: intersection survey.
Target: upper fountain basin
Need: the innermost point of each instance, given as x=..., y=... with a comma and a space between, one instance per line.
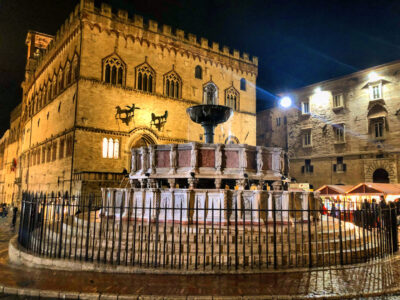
x=209, y=114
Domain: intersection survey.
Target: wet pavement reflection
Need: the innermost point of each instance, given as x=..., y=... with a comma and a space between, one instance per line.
x=366, y=279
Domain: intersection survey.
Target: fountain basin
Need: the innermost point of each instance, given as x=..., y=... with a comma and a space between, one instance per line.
x=209, y=116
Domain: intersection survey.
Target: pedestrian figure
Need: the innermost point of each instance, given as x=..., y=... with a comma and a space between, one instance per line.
x=333, y=210
x=14, y=217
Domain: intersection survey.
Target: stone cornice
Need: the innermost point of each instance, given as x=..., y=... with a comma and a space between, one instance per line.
x=129, y=133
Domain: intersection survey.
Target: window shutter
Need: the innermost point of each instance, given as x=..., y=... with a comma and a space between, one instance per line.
x=311, y=169
x=302, y=169
x=334, y=168
x=344, y=168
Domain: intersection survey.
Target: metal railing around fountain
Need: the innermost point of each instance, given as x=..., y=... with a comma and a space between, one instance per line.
x=62, y=228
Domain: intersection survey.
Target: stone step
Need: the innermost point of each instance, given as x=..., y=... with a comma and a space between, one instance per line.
x=263, y=235
x=188, y=260
x=320, y=245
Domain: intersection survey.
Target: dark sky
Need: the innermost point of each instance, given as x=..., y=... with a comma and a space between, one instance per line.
x=297, y=42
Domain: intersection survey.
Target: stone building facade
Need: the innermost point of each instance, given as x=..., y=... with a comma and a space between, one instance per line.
x=10, y=177
x=107, y=83
x=341, y=131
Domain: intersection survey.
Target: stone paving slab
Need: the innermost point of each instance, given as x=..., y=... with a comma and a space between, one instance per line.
x=374, y=279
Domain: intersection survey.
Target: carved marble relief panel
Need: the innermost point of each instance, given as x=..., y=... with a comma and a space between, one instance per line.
x=163, y=160
x=231, y=159
x=207, y=158
x=184, y=158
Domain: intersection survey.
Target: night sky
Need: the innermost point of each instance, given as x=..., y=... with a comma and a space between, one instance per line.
x=297, y=42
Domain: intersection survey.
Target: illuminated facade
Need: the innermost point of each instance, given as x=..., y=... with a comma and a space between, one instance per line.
x=340, y=131
x=107, y=83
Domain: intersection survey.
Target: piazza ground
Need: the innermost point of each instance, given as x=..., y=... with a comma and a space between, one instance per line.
x=372, y=279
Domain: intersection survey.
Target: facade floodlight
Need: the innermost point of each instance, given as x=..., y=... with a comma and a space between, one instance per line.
x=373, y=76
x=285, y=102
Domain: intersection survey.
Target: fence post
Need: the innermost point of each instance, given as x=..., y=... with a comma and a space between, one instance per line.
x=274, y=237
x=61, y=225
x=309, y=235
x=394, y=229
x=340, y=237
x=88, y=228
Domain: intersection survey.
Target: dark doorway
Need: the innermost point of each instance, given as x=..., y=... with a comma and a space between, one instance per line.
x=381, y=176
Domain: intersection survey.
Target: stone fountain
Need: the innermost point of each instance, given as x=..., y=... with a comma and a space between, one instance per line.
x=209, y=116
x=196, y=204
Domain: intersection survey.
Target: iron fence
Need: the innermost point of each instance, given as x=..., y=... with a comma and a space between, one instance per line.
x=202, y=238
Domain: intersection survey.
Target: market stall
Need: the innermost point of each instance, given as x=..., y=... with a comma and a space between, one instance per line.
x=374, y=191
x=335, y=195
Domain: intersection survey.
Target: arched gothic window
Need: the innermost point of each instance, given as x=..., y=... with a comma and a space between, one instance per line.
x=68, y=74
x=232, y=98
x=75, y=70
x=60, y=81
x=110, y=148
x=36, y=103
x=243, y=84
x=49, y=92
x=173, y=85
x=198, y=72
x=145, y=78
x=54, y=87
x=114, y=70
x=210, y=93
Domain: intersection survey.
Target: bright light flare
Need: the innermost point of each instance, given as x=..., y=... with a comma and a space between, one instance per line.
x=317, y=90
x=285, y=102
x=373, y=76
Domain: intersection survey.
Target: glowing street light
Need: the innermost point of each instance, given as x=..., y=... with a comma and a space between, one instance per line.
x=285, y=102
x=372, y=76
x=317, y=90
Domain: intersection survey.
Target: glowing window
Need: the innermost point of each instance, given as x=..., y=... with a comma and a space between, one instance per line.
x=105, y=147
x=210, y=93
x=337, y=100
x=232, y=98
x=307, y=138
x=145, y=76
x=173, y=84
x=113, y=71
x=110, y=148
x=375, y=91
x=116, y=148
x=339, y=133
x=305, y=108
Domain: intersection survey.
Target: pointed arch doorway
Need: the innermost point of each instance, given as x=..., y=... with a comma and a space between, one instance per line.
x=143, y=141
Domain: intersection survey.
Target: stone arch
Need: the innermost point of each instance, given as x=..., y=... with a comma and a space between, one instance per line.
x=231, y=140
x=380, y=176
x=388, y=165
x=141, y=135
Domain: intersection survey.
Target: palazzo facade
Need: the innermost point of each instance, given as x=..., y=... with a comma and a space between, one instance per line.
x=340, y=131
x=108, y=82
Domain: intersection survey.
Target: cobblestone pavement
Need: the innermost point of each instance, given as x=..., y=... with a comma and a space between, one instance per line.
x=354, y=282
